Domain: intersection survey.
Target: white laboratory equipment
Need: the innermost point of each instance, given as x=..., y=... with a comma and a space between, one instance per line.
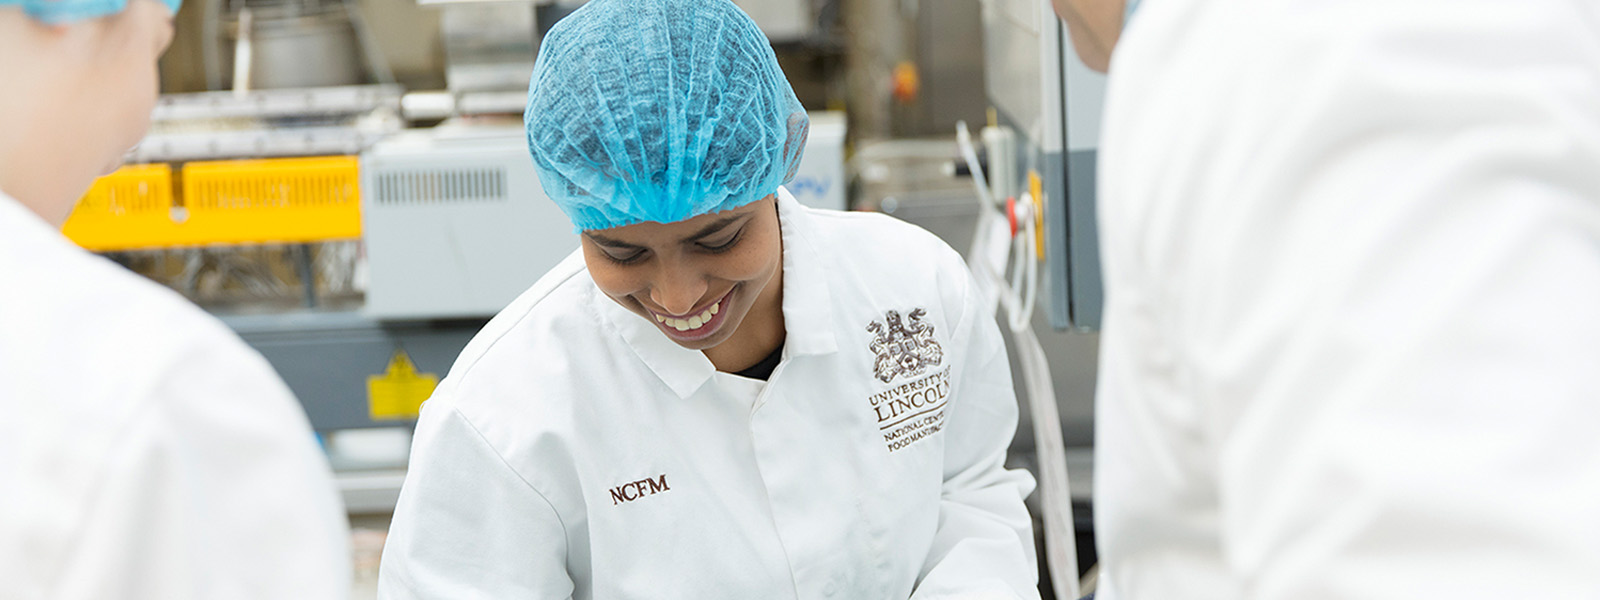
x=455, y=222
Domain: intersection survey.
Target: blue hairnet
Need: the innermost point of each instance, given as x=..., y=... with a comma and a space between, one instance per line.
x=68, y=11
x=660, y=110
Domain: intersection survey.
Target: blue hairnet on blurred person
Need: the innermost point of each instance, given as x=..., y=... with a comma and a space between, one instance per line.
x=660, y=110
x=67, y=11
x=146, y=452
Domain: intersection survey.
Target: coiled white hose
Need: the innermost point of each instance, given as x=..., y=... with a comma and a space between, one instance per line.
x=1017, y=298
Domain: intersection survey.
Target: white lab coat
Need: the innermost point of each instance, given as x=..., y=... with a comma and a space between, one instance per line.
x=145, y=451
x=1351, y=345
x=576, y=452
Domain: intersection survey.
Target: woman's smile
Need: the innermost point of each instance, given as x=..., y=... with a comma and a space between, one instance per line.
x=698, y=324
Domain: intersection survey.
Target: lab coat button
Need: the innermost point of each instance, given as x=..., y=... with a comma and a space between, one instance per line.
x=829, y=589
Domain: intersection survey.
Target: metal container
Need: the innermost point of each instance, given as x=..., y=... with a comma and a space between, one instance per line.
x=489, y=47
x=292, y=49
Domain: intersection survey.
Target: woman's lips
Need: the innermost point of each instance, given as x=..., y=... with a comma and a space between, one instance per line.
x=697, y=325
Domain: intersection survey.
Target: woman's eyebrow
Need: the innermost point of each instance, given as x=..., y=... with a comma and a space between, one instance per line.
x=605, y=241
x=709, y=229
x=713, y=227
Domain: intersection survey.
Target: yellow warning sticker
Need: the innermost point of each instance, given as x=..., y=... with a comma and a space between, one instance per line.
x=398, y=393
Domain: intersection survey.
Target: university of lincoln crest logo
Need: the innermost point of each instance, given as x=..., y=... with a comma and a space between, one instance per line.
x=903, y=347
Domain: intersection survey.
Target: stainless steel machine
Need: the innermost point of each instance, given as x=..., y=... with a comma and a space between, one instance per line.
x=1051, y=103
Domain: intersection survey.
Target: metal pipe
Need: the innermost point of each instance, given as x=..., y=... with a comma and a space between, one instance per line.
x=308, y=275
x=242, y=54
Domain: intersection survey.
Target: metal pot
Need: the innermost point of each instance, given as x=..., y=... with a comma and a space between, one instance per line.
x=302, y=50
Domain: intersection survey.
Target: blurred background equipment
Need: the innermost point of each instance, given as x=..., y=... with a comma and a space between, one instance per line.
x=489, y=49
x=346, y=184
x=274, y=44
x=1051, y=103
x=1007, y=235
x=458, y=224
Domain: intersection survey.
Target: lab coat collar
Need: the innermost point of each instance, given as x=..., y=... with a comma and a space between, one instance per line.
x=681, y=369
x=807, y=299
x=807, y=310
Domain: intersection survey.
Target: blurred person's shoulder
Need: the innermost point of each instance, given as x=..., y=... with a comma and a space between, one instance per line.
x=107, y=376
x=79, y=327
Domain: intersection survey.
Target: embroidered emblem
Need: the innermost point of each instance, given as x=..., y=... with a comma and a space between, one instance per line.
x=903, y=348
x=634, y=490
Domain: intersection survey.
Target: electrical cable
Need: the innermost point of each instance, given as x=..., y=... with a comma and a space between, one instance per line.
x=1017, y=297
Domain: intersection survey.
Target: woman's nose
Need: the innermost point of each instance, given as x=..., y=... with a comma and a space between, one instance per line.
x=677, y=291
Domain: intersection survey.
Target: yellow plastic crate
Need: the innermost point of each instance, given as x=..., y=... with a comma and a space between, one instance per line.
x=275, y=200
x=290, y=200
x=130, y=208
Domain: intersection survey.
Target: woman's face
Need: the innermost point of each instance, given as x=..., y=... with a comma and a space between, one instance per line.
x=697, y=280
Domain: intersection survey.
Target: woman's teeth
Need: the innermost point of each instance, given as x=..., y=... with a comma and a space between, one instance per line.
x=694, y=322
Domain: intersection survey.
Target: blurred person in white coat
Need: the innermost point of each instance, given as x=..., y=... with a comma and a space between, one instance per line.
x=145, y=451
x=723, y=394
x=1351, y=345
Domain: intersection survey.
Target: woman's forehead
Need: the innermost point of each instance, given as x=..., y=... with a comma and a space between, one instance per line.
x=653, y=233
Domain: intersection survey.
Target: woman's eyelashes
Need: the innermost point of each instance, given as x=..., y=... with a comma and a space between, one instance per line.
x=724, y=244
x=627, y=257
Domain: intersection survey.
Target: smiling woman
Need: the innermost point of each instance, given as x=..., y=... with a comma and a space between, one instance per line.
x=723, y=394
x=701, y=281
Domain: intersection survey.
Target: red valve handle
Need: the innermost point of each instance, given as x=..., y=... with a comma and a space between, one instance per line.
x=1011, y=214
